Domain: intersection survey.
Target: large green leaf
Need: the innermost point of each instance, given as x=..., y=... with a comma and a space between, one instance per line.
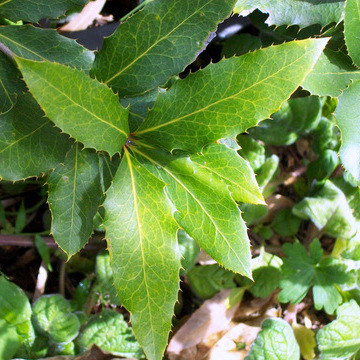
x=143, y=247
x=348, y=120
x=352, y=29
x=33, y=43
x=74, y=198
x=238, y=175
x=22, y=129
x=10, y=84
x=331, y=74
x=226, y=98
x=80, y=106
x=157, y=42
x=341, y=338
x=33, y=11
x=205, y=209
x=275, y=341
x=295, y=12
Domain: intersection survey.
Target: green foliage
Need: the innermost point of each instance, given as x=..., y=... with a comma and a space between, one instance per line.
x=182, y=28
x=351, y=29
x=347, y=116
x=229, y=103
x=341, y=339
x=275, y=341
x=51, y=327
x=110, y=332
x=21, y=129
x=158, y=150
x=29, y=10
x=302, y=271
x=329, y=210
x=207, y=280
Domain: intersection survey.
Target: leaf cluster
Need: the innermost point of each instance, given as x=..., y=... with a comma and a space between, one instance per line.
x=160, y=154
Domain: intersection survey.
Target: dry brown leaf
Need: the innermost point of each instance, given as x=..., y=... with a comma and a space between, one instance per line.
x=203, y=329
x=86, y=17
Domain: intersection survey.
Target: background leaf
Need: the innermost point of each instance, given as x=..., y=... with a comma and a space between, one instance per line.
x=145, y=258
x=136, y=58
x=299, y=12
x=93, y=117
x=31, y=11
x=52, y=317
x=219, y=102
x=38, y=44
x=15, y=307
x=110, y=332
x=275, y=341
x=74, y=197
x=341, y=339
x=207, y=280
x=328, y=210
x=22, y=129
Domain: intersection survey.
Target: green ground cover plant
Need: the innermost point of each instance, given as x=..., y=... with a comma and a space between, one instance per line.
x=163, y=164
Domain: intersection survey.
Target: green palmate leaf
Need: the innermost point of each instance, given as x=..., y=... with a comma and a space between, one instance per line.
x=137, y=58
x=331, y=74
x=352, y=29
x=328, y=209
x=301, y=271
x=74, y=197
x=341, y=338
x=31, y=11
x=94, y=117
x=220, y=101
x=295, y=12
x=110, y=332
x=10, y=84
x=142, y=243
x=348, y=118
x=205, y=209
x=275, y=341
x=33, y=43
x=22, y=129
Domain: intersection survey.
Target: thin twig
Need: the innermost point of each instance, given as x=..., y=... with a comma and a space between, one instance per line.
x=28, y=241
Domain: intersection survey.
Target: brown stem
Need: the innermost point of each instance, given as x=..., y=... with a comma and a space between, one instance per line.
x=95, y=242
